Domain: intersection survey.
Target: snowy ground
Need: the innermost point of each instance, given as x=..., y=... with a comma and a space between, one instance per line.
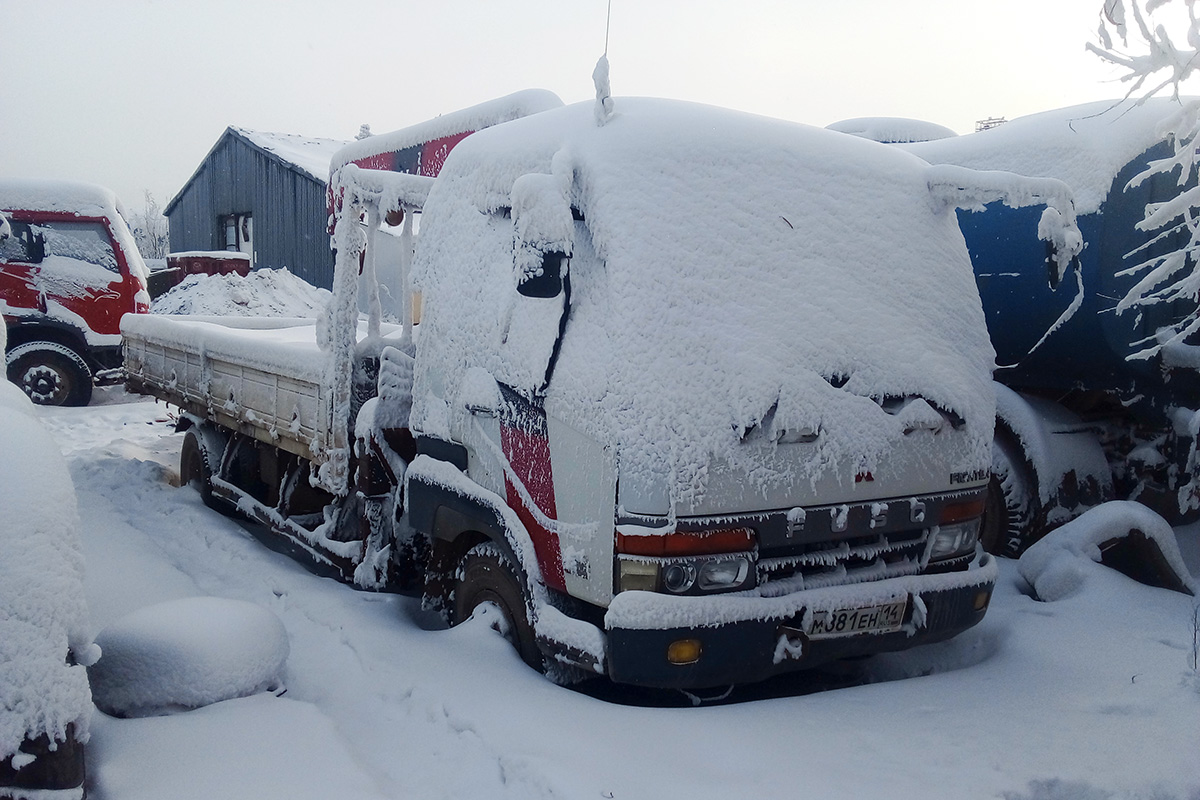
x=1091, y=697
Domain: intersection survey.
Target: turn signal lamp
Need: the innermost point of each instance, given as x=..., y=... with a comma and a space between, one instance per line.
x=684, y=651
x=957, y=512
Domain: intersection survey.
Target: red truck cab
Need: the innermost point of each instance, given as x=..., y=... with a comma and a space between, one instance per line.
x=69, y=270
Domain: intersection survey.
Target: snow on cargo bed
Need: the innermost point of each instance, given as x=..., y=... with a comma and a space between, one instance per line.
x=262, y=375
x=286, y=345
x=732, y=276
x=1084, y=146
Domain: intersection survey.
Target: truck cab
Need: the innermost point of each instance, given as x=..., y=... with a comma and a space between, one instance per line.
x=707, y=423
x=69, y=270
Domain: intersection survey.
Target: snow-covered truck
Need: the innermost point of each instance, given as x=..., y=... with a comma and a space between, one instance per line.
x=69, y=270
x=696, y=397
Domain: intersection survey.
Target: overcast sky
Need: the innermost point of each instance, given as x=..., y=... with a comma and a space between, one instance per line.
x=131, y=94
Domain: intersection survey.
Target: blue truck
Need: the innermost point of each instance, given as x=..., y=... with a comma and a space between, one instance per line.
x=1086, y=412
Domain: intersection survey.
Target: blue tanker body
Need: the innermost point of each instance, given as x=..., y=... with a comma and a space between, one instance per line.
x=1087, y=419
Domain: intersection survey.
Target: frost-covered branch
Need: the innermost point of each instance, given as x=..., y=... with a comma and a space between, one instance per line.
x=1160, y=59
x=1161, y=64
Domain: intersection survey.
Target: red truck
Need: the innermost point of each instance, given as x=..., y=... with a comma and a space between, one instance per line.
x=69, y=270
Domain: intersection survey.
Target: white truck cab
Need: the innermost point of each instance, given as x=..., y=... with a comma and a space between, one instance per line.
x=715, y=385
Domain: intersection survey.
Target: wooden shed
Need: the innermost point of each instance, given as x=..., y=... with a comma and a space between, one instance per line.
x=262, y=194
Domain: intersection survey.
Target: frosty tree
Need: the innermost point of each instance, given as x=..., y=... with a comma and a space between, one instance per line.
x=150, y=230
x=1155, y=64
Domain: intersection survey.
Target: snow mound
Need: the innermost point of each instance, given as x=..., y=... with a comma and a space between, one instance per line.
x=1057, y=566
x=43, y=615
x=262, y=293
x=188, y=653
x=892, y=130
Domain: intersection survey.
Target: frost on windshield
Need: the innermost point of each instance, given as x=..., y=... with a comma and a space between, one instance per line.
x=736, y=283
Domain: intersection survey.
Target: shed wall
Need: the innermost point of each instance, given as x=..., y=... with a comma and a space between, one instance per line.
x=288, y=208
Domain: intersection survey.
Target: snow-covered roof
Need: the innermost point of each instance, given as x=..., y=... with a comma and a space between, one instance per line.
x=467, y=120
x=310, y=153
x=43, y=194
x=306, y=155
x=1084, y=146
x=892, y=130
x=753, y=271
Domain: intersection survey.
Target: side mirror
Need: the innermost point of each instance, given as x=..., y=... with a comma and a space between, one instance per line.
x=37, y=248
x=548, y=282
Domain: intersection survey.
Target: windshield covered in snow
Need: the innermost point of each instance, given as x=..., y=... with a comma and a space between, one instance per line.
x=729, y=272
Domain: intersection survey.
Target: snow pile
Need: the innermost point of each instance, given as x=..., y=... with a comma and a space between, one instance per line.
x=1084, y=146
x=43, y=616
x=262, y=293
x=187, y=653
x=734, y=281
x=1058, y=565
x=892, y=130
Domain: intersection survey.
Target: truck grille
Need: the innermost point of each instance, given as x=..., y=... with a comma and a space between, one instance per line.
x=870, y=557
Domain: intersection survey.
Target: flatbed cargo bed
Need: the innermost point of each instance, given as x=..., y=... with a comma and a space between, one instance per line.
x=263, y=377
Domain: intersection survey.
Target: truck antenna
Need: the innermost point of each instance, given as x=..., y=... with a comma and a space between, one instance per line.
x=607, y=26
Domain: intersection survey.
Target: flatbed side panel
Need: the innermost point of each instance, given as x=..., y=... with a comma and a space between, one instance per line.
x=282, y=410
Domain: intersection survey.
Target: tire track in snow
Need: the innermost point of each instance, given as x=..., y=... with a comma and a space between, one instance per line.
x=352, y=652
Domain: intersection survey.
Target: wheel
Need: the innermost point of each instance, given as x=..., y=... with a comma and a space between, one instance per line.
x=52, y=374
x=1009, y=515
x=200, y=453
x=487, y=579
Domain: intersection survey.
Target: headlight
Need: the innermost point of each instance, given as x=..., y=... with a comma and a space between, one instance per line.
x=699, y=575
x=954, y=541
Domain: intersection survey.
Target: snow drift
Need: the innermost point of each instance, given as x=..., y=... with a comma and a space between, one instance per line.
x=187, y=653
x=43, y=615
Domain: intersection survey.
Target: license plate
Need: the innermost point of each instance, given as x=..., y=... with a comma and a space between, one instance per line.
x=883, y=618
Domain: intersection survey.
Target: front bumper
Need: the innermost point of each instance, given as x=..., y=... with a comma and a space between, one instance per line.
x=751, y=638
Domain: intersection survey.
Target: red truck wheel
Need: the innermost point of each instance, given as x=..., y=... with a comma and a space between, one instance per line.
x=52, y=374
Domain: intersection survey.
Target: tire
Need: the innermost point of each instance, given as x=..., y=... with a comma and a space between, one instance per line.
x=1011, y=510
x=486, y=577
x=200, y=453
x=52, y=374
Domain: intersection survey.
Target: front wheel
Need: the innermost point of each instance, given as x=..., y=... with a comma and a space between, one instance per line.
x=1010, y=513
x=487, y=580
x=52, y=374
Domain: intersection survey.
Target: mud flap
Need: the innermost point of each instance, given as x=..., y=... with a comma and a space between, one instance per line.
x=1140, y=557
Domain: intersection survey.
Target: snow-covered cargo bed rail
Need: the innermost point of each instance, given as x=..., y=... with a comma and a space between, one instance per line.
x=264, y=377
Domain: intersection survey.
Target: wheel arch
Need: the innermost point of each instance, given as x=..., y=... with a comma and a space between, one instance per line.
x=1060, y=453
